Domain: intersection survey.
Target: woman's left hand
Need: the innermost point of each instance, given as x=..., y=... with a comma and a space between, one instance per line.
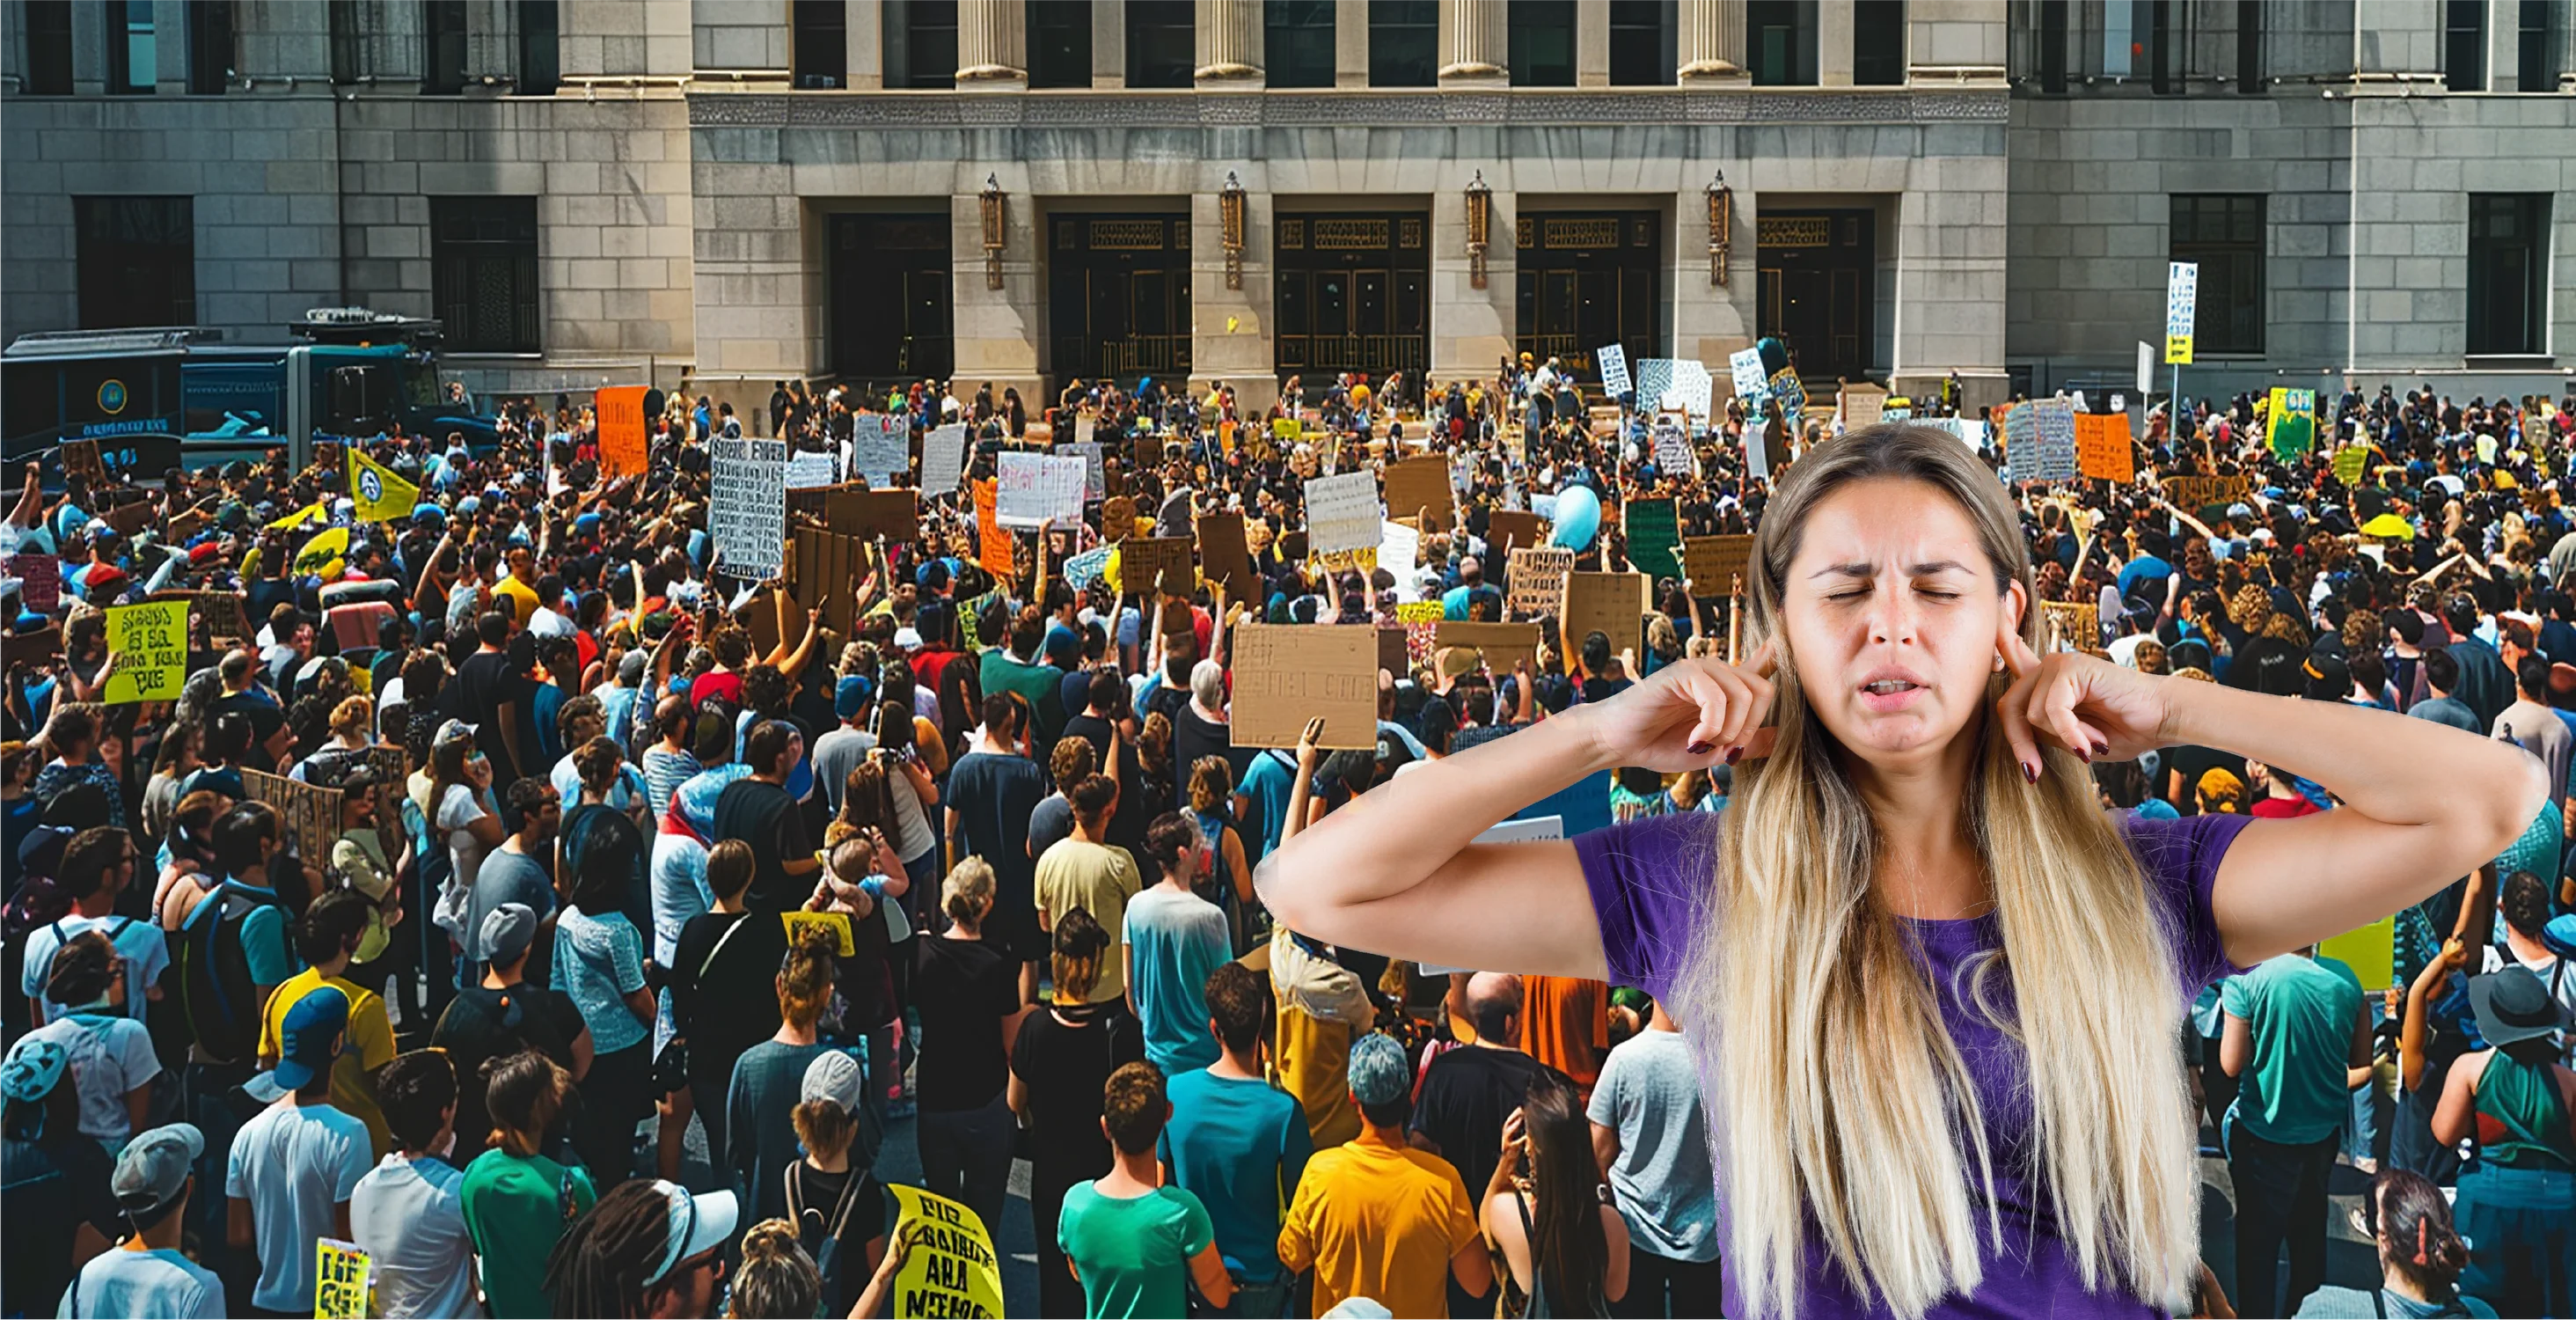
x=2091, y=707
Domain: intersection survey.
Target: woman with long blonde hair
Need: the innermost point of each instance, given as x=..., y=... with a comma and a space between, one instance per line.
x=1930, y=985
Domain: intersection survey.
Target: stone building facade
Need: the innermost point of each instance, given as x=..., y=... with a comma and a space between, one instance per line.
x=1025, y=191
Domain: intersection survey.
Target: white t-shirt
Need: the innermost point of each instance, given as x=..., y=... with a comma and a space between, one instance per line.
x=410, y=1216
x=110, y=1056
x=457, y=810
x=140, y=944
x=116, y=1284
x=295, y=1164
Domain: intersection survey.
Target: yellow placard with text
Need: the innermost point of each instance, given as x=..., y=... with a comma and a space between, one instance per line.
x=951, y=1268
x=150, y=651
x=2177, y=350
x=837, y=924
x=2370, y=951
x=340, y=1280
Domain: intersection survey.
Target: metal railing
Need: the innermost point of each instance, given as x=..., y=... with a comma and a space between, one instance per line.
x=1370, y=353
x=1132, y=355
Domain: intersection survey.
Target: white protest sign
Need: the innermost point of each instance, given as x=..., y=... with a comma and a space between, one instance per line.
x=1037, y=489
x=943, y=458
x=880, y=447
x=1342, y=512
x=2182, y=302
x=1095, y=484
x=2053, y=458
x=1084, y=427
x=1751, y=381
x=1673, y=449
x=1398, y=548
x=1614, y=370
x=1691, y=381
x=807, y=469
x=747, y=509
x=1091, y=563
x=1757, y=453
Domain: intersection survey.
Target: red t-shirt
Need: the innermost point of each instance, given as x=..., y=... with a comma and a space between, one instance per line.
x=716, y=683
x=2288, y=808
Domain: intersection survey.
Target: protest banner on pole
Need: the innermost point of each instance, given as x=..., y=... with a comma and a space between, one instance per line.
x=2291, y=423
x=1419, y=484
x=1156, y=563
x=2182, y=304
x=992, y=540
x=1537, y=575
x=952, y=1268
x=747, y=507
x=1094, y=481
x=1613, y=604
x=1752, y=383
x=1287, y=674
x=1654, y=533
x=1037, y=489
x=309, y=813
x=2102, y=447
x=881, y=447
x=1342, y=512
x=149, y=643
x=342, y=1289
x=380, y=493
x=1673, y=449
x=622, y=443
x=2053, y=443
x=943, y=459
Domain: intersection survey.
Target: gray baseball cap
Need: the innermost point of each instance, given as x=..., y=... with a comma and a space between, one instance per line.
x=834, y=1076
x=154, y=1167
x=507, y=932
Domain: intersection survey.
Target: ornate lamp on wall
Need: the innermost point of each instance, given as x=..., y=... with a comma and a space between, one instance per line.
x=993, y=231
x=1479, y=220
x=1229, y=209
x=1721, y=227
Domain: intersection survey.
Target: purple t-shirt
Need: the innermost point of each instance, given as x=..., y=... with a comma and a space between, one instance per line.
x=1645, y=877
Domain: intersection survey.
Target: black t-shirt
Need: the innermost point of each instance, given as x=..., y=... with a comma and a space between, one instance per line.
x=265, y=720
x=483, y=684
x=1136, y=808
x=1066, y=1068
x=964, y=989
x=2193, y=761
x=816, y=1200
x=762, y=815
x=1194, y=736
x=1465, y=1098
x=485, y=1024
x=54, y=1186
x=724, y=1000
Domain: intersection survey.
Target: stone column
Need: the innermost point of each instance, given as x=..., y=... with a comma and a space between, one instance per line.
x=1474, y=49
x=1229, y=41
x=2504, y=48
x=1834, y=43
x=865, y=43
x=1592, y=45
x=1108, y=43
x=1350, y=46
x=1712, y=41
x=990, y=44
x=1231, y=335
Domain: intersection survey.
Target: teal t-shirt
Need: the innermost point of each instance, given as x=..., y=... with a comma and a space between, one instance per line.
x=515, y=1209
x=2302, y=1014
x=1133, y=1253
x=1175, y=941
x=1239, y=1145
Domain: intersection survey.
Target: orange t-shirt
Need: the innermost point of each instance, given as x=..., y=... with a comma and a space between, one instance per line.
x=1565, y=1024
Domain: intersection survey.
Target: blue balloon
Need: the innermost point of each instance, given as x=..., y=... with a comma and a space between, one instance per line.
x=1578, y=518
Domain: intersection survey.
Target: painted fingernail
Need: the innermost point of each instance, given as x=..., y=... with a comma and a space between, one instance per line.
x=2101, y=749
x=2084, y=756
x=1734, y=754
x=2030, y=772
x=1701, y=748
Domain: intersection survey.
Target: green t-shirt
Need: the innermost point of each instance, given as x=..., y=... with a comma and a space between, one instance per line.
x=2302, y=1015
x=1040, y=683
x=1133, y=1253
x=515, y=1209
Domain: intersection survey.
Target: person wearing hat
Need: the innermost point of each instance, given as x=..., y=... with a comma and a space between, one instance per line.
x=147, y=1274
x=835, y=1200
x=57, y=1197
x=1376, y=1217
x=647, y=1249
x=327, y=938
x=293, y=1168
x=2516, y=1200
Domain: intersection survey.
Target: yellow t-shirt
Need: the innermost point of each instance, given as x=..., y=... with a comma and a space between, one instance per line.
x=1378, y=1221
x=1076, y=873
x=1314, y=1064
x=522, y=597
x=370, y=1045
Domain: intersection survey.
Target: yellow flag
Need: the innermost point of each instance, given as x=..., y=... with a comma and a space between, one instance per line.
x=315, y=512
x=380, y=493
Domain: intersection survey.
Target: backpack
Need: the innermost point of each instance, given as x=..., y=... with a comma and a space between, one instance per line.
x=821, y=1238
x=212, y=970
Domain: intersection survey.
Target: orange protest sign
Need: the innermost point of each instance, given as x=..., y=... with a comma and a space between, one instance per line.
x=995, y=543
x=622, y=445
x=2102, y=446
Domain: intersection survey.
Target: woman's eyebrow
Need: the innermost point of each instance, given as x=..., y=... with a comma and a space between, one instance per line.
x=1862, y=569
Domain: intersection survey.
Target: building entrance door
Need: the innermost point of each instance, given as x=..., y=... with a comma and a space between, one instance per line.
x=1587, y=279
x=1118, y=296
x=1818, y=289
x=1352, y=294
x=887, y=322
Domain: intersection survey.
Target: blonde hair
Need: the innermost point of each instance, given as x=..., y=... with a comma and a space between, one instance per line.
x=968, y=890
x=1797, y=960
x=777, y=1277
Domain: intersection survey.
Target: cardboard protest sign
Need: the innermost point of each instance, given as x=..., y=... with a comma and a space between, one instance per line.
x=1287, y=674
x=221, y=611
x=1342, y=512
x=943, y=458
x=1614, y=604
x=892, y=514
x=2201, y=492
x=1712, y=562
x=952, y=1269
x=309, y=813
x=622, y=443
x=1537, y=579
x=1037, y=489
x=759, y=616
x=1502, y=643
x=2102, y=447
x=829, y=569
x=747, y=507
x=834, y=924
x=342, y=1289
x=1421, y=486
x=1156, y=563
x=881, y=447
x=1506, y=528
x=1653, y=534
x=1395, y=648
x=82, y=463
x=1223, y=554
x=1863, y=406
x=150, y=646
x=40, y=580
x=992, y=540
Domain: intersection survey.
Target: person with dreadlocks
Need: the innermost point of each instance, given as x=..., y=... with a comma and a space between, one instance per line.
x=647, y=1249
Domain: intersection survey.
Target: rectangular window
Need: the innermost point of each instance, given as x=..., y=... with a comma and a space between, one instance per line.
x=443, y=32
x=1542, y=42
x=136, y=260
x=2539, y=68
x=347, y=51
x=1162, y=43
x=133, y=65
x=483, y=272
x=210, y=46
x=1404, y=43
x=1059, y=43
x=1780, y=39
x=2052, y=46
x=820, y=38
x=2508, y=273
x=2165, y=72
x=49, y=48
x=2464, y=45
x=930, y=40
x=1642, y=34
x=2249, y=46
x=2224, y=233
x=540, y=48
x=1878, y=43
x=1298, y=42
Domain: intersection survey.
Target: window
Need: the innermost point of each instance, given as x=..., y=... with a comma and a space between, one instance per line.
x=540, y=53
x=930, y=43
x=1542, y=49
x=1404, y=43
x=1059, y=43
x=2464, y=45
x=443, y=29
x=2249, y=46
x=2539, y=69
x=133, y=64
x=483, y=272
x=1642, y=33
x=1298, y=49
x=347, y=41
x=49, y=48
x=2224, y=233
x=137, y=260
x=2508, y=272
x=210, y=46
x=2052, y=45
x=821, y=43
x=1780, y=39
x=1878, y=43
x=1162, y=38
x=2165, y=72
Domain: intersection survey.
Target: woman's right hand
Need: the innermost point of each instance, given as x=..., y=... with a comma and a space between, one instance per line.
x=1691, y=715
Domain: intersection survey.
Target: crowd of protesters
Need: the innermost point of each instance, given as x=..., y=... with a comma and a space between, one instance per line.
x=470, y=1029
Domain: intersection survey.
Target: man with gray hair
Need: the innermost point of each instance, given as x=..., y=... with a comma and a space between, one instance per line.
x=1376, y=1217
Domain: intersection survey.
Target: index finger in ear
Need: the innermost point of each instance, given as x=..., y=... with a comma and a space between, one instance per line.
x=2017, y=654
x=1765, y=659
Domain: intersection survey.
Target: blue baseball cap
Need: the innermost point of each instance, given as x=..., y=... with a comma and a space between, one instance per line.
x=850, y=695
x=310, y=1036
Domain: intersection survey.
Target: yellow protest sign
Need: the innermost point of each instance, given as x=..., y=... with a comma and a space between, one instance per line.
x=325, y=554
x=315, y=512
x=835, y=924
x=381, y=494
x=2370, y=951
x=951, y=1269
x=149, y=643
x=340, y=1282
x=2350, y=463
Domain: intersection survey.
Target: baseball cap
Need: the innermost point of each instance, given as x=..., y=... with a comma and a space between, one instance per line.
x=2329, y=678
x=833, y=1076
x=507, y=932
x=699, y=1224
x=850, y=695
x=630, y=669
x=33, y=1068
x=1379, y=1074
x=907, y=639
x=153, y=1167
x=310, y=1036
x=42, y=850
